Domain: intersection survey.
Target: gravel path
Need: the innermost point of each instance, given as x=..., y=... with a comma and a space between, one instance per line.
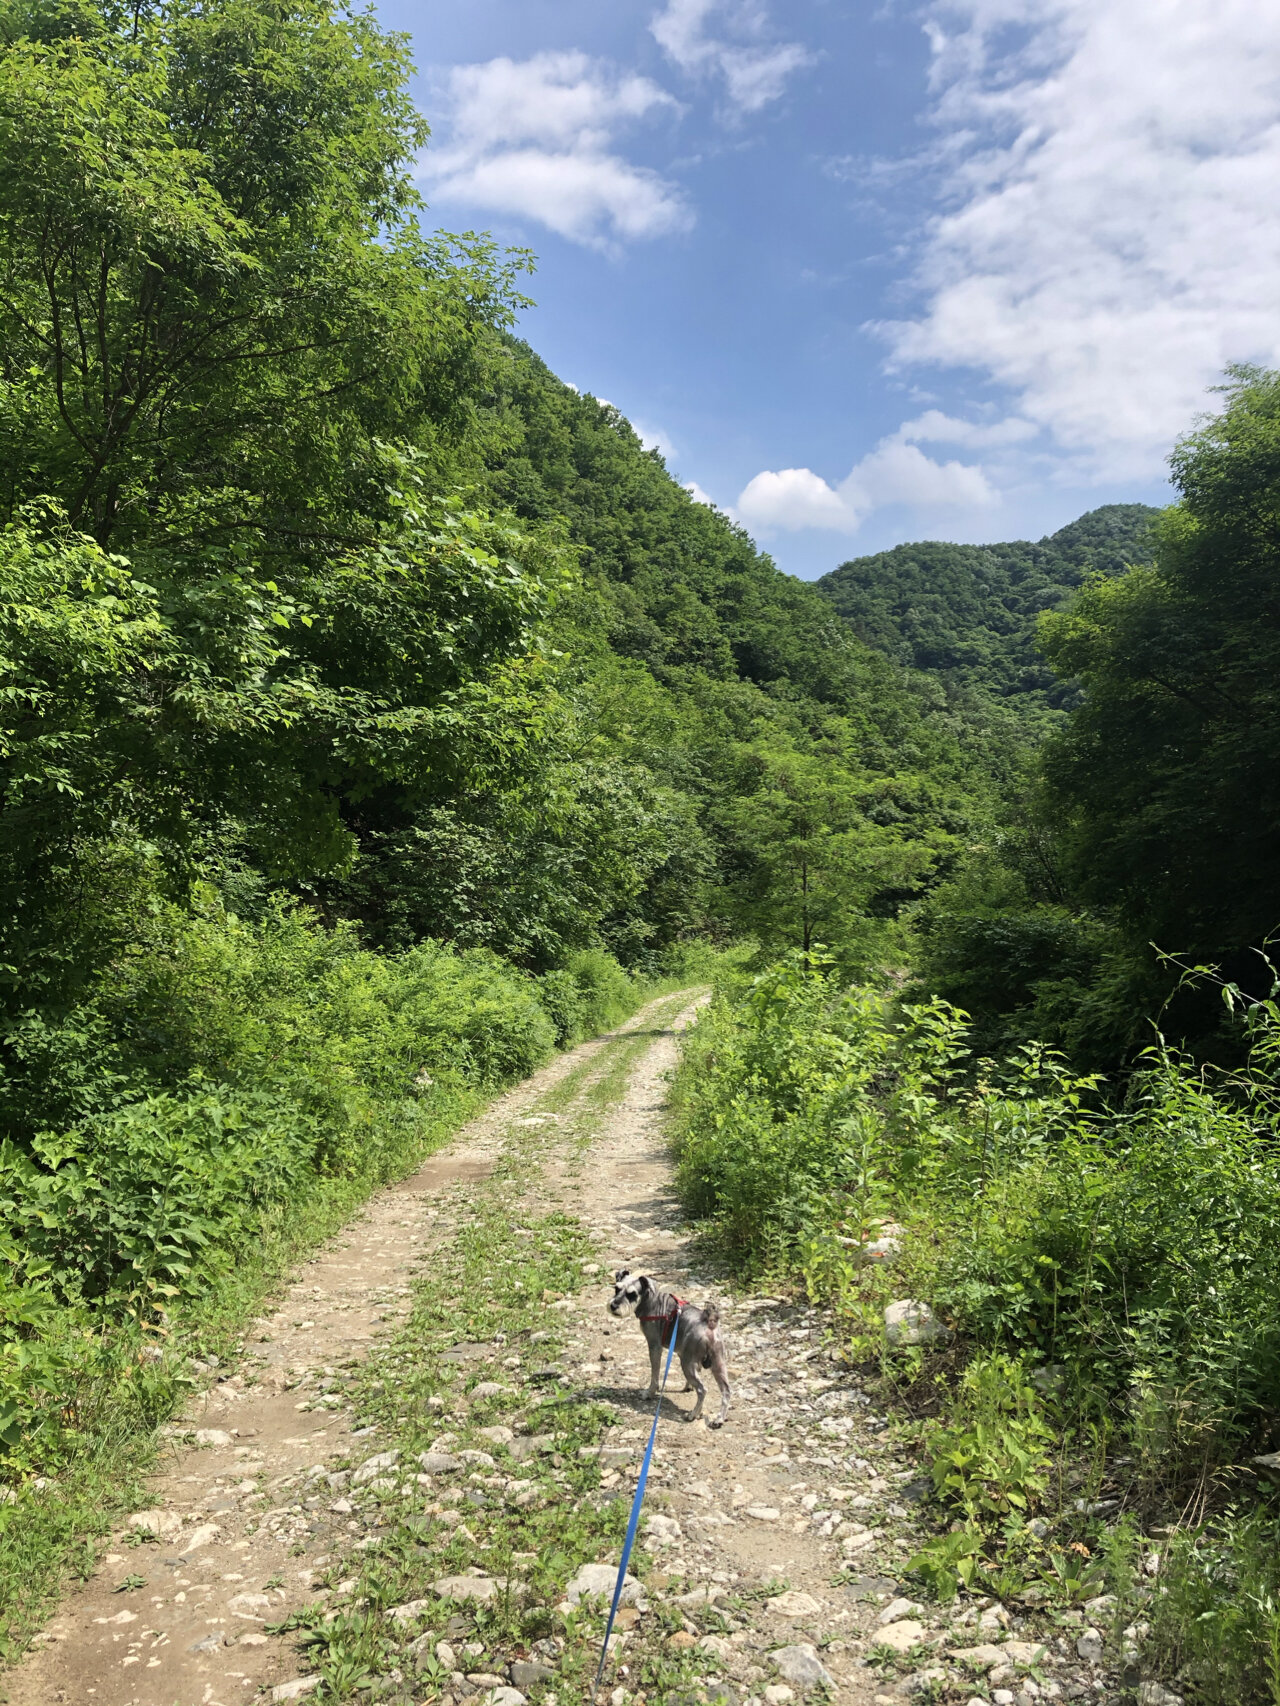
x=773, y=1547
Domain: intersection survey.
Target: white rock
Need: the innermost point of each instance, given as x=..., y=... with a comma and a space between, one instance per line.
x=895, y=1609
x=763, y=1513
x=777, y=1694
x=1152, y=1694
x=661, y=1531
x=986, y=1654
x=599, y=1580
x=497, y=1435
x=163, y=1524
x=410, y=1609
x=477, y=1459
x=503, y=1697
x=901, y=1636
x=794, y=1604
x=487, y=1389
x=199, y=1537
x=476, y=1587
x=213, y=1436
x=373, y=1467
x=249, y=1604
x=1089, y=1647
x=718, y=1645
x=295, y=1689
x=910, y=1322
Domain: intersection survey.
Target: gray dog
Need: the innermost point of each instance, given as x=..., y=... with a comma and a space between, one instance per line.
x=698, y=1341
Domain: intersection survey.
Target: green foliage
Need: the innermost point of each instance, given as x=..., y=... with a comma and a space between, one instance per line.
x=1215, y=1621
x=990, y=1459
x=1136, y=1245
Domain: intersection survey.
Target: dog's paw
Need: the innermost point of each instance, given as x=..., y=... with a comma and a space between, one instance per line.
x=717, y=1423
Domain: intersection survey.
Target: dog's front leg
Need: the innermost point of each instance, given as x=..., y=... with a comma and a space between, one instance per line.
x=655, y=1358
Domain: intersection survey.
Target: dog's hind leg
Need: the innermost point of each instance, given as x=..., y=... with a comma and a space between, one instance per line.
x=720, y=1369
x=692, y=1381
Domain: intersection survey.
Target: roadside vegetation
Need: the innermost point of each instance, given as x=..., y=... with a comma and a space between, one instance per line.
x=1092, y=1368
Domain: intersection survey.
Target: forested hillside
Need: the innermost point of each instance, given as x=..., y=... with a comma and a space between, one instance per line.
x=967, y=613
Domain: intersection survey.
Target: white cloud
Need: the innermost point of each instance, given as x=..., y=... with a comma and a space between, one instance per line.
x=933, y=427
x=653, y=438
x=537, y=137
x=755, y=70
x=696, y=492
x=895, y=472
x=1112, y=234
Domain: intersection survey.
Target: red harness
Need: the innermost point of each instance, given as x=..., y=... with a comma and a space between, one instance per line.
x=668, y=1319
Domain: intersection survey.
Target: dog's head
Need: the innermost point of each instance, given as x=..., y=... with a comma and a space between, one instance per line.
x=629, y=1291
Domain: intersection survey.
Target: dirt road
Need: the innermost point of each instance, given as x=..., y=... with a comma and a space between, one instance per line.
x=464, y=1313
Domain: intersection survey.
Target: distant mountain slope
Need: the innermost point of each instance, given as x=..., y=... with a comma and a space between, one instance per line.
x=966, y=614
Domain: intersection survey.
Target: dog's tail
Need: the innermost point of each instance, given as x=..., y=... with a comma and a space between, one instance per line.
x=711, y=1316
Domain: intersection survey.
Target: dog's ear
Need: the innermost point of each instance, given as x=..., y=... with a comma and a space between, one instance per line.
x=646, y=1284
x=620, y=1274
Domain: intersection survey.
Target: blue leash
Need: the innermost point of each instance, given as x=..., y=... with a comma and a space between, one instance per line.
x=630, y=1541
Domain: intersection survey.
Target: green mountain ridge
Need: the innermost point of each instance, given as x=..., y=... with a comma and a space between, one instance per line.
x=966, y=614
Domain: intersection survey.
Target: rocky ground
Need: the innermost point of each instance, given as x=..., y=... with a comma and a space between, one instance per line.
x=414, y=1485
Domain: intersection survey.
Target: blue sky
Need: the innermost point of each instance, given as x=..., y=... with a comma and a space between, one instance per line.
x=876, y=272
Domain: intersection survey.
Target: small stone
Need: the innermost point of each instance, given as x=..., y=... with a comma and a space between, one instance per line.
x=249, y=1603
x=219, y=1436
x=296, y=1688
x=438, y=1462
x=411, y=1609
x=600, y=1580
x=910, y=1322
x=1089, y=1647
x=373, y=1467
x=661, y=1531
x=983, y=1656
x=200, y=1537
x=895, y=1609
x=1153, y=1694
x=210, y=1643
x=794, y=1604
x=503, y=1696
x=681, y=1638
x=163, y=1524
x=496, y=1435
x=1024, y=1652
x=487, y=1389
x=446, y=1655
x=525, y=1673
x=901, y=1636
x=801, y=1667
x=477, y=1459
x=763, y=1513
x=777, y=1694
x=1002, y=1697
